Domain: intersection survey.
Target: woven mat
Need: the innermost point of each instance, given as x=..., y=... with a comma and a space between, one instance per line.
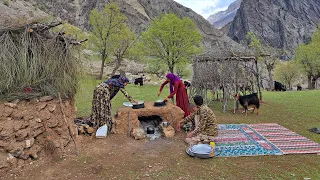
x=241, y=140
x=287, y=141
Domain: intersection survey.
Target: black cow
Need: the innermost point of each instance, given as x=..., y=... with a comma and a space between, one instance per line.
x=249, y=100
x=138, y=81
x=279, y=87
x=299, y=88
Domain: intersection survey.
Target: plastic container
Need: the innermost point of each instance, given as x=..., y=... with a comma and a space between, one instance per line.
x=102, y=132
x=213, y=145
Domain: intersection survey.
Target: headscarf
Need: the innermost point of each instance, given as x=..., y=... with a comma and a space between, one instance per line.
x=117, y=82
x=173, y=78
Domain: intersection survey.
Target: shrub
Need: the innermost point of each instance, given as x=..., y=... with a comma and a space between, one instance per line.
x=6, y=2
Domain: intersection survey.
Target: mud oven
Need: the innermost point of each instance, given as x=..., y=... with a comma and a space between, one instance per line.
x=147, y=122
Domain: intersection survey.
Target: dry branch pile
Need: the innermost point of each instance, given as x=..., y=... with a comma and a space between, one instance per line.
x=36, y=62
x=228, y=74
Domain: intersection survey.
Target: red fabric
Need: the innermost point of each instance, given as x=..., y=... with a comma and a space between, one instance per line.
x=163, y=84
x=182, y=99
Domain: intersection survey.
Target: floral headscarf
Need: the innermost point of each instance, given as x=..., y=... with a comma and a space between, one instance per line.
x=117, y=82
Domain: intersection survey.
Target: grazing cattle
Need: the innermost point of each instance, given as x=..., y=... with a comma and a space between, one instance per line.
x=279, y=87
x=138, y=81
x=299, y=88
x=248, y=100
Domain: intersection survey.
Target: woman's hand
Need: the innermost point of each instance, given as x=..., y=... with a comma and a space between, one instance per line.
x=159, y=93
x=178, y=127
x=166, y=99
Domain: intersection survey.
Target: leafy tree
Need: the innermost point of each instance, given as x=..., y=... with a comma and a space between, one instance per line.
x=104, y=24
x=183, y=71
x=287, y=73
x=156, y=67
x=255, y=45
x=71, y=31
x=172, y=40
x=270, y=62
x=308, y=58
x=123, y=46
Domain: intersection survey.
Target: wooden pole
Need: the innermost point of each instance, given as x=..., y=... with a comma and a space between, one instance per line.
x=66, y=122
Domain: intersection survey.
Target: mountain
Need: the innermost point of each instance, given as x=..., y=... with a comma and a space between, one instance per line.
x=282, y=24
x=222, y=18
x=139, y=14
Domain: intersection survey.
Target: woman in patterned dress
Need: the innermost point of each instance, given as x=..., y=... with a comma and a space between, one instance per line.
x=102, y=96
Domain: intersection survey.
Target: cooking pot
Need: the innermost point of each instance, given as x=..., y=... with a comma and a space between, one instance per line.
x=165, y=124
x=150, y=130
x=159, y=103
x=138, y=105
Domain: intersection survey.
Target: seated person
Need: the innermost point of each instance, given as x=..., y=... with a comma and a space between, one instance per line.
x=190, y=125
x=205, y=127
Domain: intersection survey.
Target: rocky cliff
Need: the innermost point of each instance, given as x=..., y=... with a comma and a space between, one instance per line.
x=222, y=18
x=281, y=24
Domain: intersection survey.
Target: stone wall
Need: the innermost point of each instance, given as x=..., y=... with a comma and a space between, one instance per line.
x=26, y=126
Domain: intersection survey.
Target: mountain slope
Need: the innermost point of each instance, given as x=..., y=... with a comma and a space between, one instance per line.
x=18, y=13
x=281, y=24
x=222, y=18
x=139, y=14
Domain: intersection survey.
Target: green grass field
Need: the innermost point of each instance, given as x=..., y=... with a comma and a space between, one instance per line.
x=297, y=111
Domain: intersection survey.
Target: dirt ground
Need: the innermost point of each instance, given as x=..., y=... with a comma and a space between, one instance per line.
x=122, y=157
x=105, y=159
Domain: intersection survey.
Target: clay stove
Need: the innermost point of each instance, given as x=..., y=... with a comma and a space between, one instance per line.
x=127, y=119
x=151, y=126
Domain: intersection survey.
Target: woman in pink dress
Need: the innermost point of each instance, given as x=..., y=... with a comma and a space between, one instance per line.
x=177, y=88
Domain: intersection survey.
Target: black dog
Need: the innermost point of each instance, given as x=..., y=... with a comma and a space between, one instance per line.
x=248, y=100
x=279, y=87
x=138, y=81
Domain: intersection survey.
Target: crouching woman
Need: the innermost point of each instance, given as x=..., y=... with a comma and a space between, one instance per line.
x=205, y=126
x=102, y=96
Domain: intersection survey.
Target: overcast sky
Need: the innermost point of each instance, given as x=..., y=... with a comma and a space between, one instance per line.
x=206, y=7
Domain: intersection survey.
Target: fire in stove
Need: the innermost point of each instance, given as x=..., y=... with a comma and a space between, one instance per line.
x=151, y=125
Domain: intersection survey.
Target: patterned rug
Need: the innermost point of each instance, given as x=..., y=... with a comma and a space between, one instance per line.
x=287, y=141
x=241, y=140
